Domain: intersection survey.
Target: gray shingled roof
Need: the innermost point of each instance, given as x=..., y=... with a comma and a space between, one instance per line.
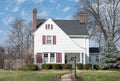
x=70, y=27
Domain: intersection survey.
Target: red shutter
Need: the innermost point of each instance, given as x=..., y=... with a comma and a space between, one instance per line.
x=54, y=39
x=39, y=57
x=58, y=57
x=43, y=39
x=51, y=26
x=46, y=26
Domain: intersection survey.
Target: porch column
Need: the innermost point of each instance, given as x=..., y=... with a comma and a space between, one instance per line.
x=63, y=57
x=80, y=58
x=48, y=57
x=84, y=57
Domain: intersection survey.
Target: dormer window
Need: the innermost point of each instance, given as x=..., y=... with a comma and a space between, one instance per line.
x=49, y=26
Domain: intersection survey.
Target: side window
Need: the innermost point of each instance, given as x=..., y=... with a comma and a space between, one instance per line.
x=97, y=58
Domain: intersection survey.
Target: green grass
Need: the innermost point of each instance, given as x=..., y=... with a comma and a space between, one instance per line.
x=101, y=75
x=42, y=75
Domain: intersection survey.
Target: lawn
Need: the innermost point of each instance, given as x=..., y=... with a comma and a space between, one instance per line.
x=42, y=75
x=101, y=75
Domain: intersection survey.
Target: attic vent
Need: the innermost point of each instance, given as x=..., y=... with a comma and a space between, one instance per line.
x=48, y=26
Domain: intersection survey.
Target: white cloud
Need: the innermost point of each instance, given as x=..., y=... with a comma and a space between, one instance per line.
x=66, y=9
x=58, y=6
x=1, y=31
x=52, y=1
x=20, y=1
x=23, y=13
x=15, y=9
x=8, y=20
x=38, y=1
x=76, y=0
x=43, y=14
x=1, y=13
x=6, y=8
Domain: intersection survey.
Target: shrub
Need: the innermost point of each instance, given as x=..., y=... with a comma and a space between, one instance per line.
x=47, y=66
x=34, y=67
x=29, y=67
x=96, y=67
x=66, y=66
x=79, y=66
x=57, y=66
x=88, y=66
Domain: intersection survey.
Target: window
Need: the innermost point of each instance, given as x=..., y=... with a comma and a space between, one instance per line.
x=52, y=57
x=45, y=57
x=49, y=39
x=97, y=58
x=49, y=26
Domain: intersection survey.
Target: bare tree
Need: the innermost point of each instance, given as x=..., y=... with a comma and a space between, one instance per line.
x=1, y=57
x=103, y=17
x=19, y=42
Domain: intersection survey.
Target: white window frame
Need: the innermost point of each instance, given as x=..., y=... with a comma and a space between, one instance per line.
x=49, y=39
x=49, y=58
x=52, y=59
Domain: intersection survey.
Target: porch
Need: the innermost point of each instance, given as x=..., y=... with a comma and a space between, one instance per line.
x=80, y=57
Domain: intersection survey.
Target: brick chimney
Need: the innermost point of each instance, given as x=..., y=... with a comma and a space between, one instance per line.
x=34, y=19
x=82, y=18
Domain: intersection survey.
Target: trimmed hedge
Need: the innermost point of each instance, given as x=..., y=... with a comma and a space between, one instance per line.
x=79, y=66
x=56, y=66
x=88, y=66
x=46, y=66
x=96, y=67
x=29, y=67
x=66, y=66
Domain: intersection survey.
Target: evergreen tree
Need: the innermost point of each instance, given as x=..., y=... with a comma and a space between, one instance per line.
x=110, y=57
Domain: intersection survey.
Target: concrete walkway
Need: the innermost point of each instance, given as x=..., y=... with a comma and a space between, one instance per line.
x=67, y=77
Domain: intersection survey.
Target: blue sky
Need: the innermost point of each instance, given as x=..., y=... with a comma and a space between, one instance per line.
x=57, y=9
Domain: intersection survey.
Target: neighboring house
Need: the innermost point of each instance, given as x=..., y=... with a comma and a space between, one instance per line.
x=57, y=41
x=94, y=56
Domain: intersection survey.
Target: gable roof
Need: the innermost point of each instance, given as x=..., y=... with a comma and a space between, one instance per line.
x=70, y=27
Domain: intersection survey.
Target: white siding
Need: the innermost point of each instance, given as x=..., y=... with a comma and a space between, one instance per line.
x=83, y=43
x=63, y=41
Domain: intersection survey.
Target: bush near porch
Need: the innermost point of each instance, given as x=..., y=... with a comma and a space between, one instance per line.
x=66, y=66
x=56, y=66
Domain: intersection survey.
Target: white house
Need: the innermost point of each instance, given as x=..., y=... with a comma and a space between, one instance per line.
x=57, y=41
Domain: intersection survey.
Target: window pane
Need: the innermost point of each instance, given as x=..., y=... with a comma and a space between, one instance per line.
x=97, y=58
x=49, y=41
x=52, y=57
x=45, y=57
